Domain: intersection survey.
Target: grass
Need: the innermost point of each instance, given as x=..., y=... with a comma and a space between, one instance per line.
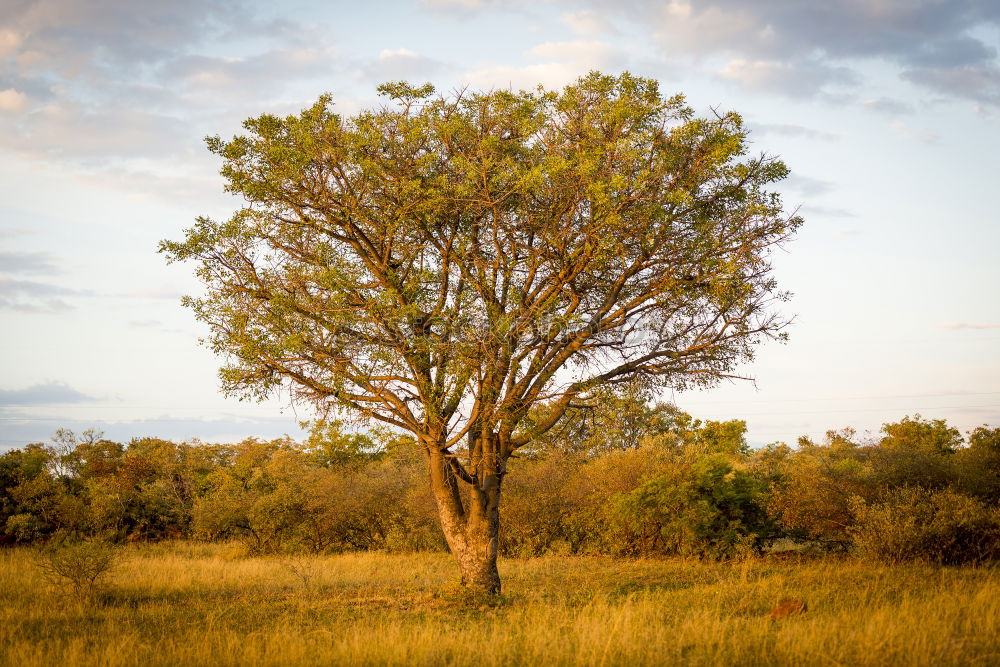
x=198, y=604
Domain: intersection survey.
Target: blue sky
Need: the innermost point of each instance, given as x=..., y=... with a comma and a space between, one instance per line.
x=887, y=112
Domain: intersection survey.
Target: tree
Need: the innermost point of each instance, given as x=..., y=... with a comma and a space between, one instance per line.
x=443, y=263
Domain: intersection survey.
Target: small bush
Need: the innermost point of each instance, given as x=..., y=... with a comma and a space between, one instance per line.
x=79, y=567
x=935, y=526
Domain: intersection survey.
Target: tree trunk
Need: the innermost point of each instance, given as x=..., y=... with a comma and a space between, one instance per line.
x=472, y=532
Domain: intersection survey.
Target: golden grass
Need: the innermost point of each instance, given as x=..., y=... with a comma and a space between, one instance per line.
x=194, y=604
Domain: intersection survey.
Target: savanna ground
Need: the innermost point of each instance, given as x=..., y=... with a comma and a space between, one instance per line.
x=201, y=604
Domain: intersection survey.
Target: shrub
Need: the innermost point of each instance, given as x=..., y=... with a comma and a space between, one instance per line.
x=706, y=509
x=78, y=567
x=538, y=504
x=935, y=526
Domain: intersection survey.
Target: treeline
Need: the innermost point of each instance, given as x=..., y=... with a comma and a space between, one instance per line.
x=616, y=477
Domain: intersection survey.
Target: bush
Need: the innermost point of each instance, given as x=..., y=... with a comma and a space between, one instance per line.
x=708, y=509
x=79, y=567
x=935, y=526
x=537, y=504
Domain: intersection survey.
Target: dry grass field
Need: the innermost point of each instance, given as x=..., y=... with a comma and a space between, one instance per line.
x=199, y=604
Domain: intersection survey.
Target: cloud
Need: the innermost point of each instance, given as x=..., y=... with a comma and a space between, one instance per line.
x=796, y=79
x=11, y=232
x=588, y=23
x=581, y=53
x=979, y=81
x=914, y=133
x=887, y=106
x=566, y=62
x=969, y=325
x=397, y=64
x=29, y=296
x=9, y=42
x=26, y=262
x=245, y=76
x=454, y=4
x=550, y=75
x=465, y=8
x=72, y=130
x=81, y=38
x=115, y=80
x=809, y=187
x=48, y=393
x=161, y=292
x=827, y=211
x=12, y=101
x=796, y=131
x=939, y=44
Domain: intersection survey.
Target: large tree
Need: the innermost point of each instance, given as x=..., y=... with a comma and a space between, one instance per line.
x=444, y=263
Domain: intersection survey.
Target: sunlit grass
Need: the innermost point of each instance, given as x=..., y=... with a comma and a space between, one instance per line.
x=200, y=604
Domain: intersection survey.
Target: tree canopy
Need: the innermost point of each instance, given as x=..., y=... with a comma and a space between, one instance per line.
x=445, y=263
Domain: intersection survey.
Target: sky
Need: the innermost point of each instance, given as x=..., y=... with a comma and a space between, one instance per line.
x=886, y=111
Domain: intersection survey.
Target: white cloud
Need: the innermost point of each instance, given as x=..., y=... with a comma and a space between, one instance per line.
x=581, y=53
x=588, y=23
x=402, y=63
x=550, y=75
x=71, y=130
x=12, y=100
x=243, y=77
x=567, y=62
x=796, y=79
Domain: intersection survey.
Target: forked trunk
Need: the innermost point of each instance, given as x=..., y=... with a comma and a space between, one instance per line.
x=472, y=532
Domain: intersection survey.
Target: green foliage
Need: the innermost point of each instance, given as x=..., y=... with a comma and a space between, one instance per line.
x=706, y=509
x=540, y=505
x=937, y=526
x=259, y=498
x=688, y=488
x=812, y=488
x=332, y=446
x=443, y=251
x=276, y=497
x=978, y=465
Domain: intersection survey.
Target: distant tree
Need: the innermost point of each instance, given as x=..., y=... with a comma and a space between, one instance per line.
x=258, y=498
x=610, y=418
x=443, y=264
x=813, y=494
x=979, y=464
x=331, y=445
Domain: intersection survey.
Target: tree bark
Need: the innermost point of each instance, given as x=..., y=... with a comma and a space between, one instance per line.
x=472, y=532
